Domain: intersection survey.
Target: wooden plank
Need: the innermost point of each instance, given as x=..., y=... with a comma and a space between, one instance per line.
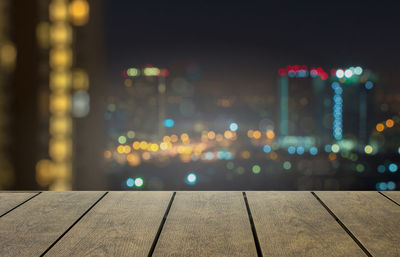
x=374, y=220
x=31, y=228
x=121, y=224
x=207, y=224
x=394, y=195
x=11, y=200
x=296, y=224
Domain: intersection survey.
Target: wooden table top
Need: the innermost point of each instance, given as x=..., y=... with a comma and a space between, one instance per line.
x=220, y=223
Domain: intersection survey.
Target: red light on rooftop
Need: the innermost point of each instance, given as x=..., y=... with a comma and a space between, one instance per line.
x=124, y=74
x=164, y=73
x=282, y=72
x=324, y=76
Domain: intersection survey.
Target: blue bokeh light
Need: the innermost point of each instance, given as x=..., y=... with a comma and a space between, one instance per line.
x=169, y=123
x=233, y=126
x=381, y=168
x=130, y=182
x=313, y=150
x=191, y=178
x=267, y=149
x=391, y=185
x=369, y=85
x=393, y=167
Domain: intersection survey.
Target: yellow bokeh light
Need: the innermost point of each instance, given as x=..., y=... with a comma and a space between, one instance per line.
x=146, y=156
x=80, y=80
x=257, y=134
x=107, y=154
x=174, y=138
x=120, y=149
x=127, y=149
x=250, y=133
x=133, y=159
x=164, y=146
x=58, y=10
x=184, y=137
x=151, y=71
x=44, y=172
x=60, y=58
x=60, y=80
x=60, y=104
x=211, y=135
x=62, y=170
x=60, y=149
x=60, y=34
x=368, y=149
x=60, y=185
x=43, y=34
x=79, y=12
x=60, y=125
x=8, y=55
x=273, y=156
x=143, y=145
x=228, y=134
x=154, y=147
x=389, y=123
x=136, y=145
x=128, y=82
x=245, y=154
x=380, y=127
x=332, y=156
x=270, y=134
x=166, y=139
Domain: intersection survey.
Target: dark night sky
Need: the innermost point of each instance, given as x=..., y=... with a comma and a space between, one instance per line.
x=253, y=36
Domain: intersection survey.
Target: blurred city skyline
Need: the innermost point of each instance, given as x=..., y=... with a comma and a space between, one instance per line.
x=165, y=96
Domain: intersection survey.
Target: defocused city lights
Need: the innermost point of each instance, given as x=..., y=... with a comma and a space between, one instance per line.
x=191, y=178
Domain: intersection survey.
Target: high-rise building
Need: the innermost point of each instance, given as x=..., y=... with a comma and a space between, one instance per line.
x=352, y=102
x=304, y=101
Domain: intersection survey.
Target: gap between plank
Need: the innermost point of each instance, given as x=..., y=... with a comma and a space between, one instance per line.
x=253, y=227
x=33, y=196
x=342, y=225
x=73, y=224
x=153, y=246
x=389, y=198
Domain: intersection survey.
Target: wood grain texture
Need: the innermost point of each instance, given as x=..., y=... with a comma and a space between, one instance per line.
x=121, y=224
x=207, y=224
x=296, y=224
x=374, y=220
x=394, y=195
x=10, y=200
x=31, y=228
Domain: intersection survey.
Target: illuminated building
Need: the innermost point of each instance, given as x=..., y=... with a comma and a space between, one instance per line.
x=338, y=112
x=142, y=103
x=352, y=100
x=304, y=105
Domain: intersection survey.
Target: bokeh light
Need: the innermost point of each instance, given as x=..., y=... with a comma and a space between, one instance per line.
x=256, y=169
x=191, y=178
x=233, y=126
x=139, y=182
x=130, y=182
